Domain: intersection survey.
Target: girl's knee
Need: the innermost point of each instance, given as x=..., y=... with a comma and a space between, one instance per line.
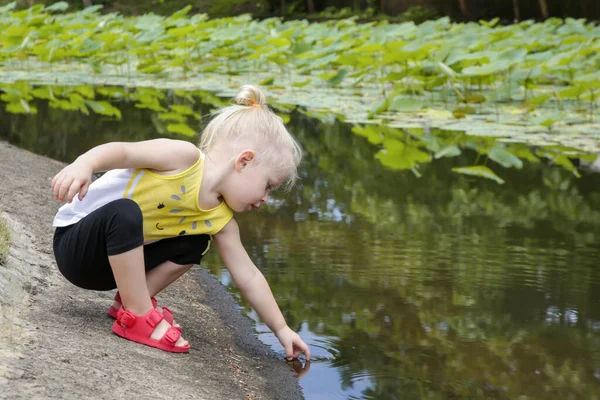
x=125, y=221
x=126, y=212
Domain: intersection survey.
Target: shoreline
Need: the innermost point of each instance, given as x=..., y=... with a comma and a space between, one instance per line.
x=55, y=339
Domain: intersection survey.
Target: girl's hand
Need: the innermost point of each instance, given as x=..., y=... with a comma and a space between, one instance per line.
x=74, y=178
x=292, y=343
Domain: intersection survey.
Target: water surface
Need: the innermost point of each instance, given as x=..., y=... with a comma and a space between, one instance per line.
x=434, y=287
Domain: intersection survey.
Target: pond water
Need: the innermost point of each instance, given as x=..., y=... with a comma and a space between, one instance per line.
x=442, y=286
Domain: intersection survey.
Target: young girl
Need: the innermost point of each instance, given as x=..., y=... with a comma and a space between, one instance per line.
x=152, y=216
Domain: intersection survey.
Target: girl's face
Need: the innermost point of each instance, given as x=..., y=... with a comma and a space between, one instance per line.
x=249, y=185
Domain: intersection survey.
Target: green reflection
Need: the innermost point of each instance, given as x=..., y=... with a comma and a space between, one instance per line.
x=443, y=286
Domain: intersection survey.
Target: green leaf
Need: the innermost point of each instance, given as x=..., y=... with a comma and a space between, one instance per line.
x=104, y=108
x=379, y=107
x=182, y=109
x=44, y=92
x=405, y=104
x=60, y=6
x=538, y=100
x=184, y=30
x=8, y=7
x=480, y=171
x=279, y=42
x=505, y=158
x=399, y=156
x=181, y=128
x=491, y=23
x=172, y=117
x=488, y=69
x=547, y=119
x=21, y=107
x=151, y=68
x=572, y=92
x=512, y=56
x=267, y=81
x=300, y=47
x=302, y=83
x=181, y=13
x=338, y=78
x=564, y=162
x=447, y=70
x=450, y=151
x=85, y=91
x=371, y=132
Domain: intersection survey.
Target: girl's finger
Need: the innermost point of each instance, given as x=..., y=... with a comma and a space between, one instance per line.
x=54, y=184
x=306, y=350
x=56, y=189
x=84, y=190
x=75, y=186
x=64, y=187
x=289, y=351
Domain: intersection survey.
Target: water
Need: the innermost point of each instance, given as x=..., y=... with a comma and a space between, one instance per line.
x=438, y=287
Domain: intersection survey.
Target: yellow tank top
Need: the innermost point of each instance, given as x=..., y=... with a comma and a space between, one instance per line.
x=169, y=203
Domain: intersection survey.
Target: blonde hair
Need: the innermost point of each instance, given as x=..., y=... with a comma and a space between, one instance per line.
x=251, y=120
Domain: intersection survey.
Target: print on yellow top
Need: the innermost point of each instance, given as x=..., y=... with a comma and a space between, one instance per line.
x=169, y=203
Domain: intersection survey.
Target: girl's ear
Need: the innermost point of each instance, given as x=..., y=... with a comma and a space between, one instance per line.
x=244, y=159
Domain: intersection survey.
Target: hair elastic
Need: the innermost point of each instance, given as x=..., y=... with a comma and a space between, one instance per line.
x=253, y=104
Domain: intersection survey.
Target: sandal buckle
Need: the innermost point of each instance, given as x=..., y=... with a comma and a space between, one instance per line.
x=172, y=335
x=154, y=317
x=127, y=319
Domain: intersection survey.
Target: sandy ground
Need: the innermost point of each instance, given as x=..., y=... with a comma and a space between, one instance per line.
x=55, y=339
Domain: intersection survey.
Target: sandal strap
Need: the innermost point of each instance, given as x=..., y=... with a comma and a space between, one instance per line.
x=168, y=314
x=126, y=318
x=153, y=317
x=172, y=335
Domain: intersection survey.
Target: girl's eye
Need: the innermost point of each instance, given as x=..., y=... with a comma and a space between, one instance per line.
x=269, y=186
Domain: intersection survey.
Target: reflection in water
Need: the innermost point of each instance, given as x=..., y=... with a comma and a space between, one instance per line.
x=443, y=286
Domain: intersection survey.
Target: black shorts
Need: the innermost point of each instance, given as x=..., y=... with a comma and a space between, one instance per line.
x=82, y=249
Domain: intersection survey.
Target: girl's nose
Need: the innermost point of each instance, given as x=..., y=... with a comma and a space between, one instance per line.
x=264, y=198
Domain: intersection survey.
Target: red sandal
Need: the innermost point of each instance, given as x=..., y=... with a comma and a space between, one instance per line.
x=139, y=328
x=168, y=314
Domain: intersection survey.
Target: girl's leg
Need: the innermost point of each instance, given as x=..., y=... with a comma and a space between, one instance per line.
x=128, y=270
x=130, y=276
x=162, y=276
x=105, y=250
x=168, y=259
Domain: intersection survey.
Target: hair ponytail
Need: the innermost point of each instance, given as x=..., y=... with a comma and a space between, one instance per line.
x=250, y=95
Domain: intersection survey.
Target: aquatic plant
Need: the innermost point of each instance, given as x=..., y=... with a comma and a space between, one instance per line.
x=530, y=82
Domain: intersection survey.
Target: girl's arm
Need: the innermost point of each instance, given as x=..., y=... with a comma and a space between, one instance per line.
x=166, y=155
x=254, y=287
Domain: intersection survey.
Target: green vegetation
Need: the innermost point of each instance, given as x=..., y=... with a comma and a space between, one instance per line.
x=180, y=112
x=534, y=83
x=4, y=240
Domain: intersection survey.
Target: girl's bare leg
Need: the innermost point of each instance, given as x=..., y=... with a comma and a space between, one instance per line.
x=160, y=277
x=130, y=276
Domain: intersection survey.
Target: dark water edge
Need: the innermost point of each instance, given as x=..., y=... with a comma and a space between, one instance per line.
x=442, y=286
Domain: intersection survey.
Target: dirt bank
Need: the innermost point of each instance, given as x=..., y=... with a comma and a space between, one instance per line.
x=55, y=339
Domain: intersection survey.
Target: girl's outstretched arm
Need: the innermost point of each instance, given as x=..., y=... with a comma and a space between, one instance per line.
x=254, y=287
x=171, y=156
